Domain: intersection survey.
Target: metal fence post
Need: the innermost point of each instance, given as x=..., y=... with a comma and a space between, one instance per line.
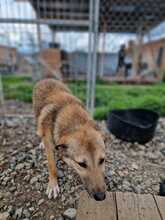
x=90, y=53
x=92, y=61
x=95, y=53
x=92, y=68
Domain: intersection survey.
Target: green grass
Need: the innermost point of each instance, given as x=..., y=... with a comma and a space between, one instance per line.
x=18, y=87
x=127, y=96
x=108, y=97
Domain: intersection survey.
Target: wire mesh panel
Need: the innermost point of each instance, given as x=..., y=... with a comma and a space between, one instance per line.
x=128, y=16
x=49, y=39
x=131, y=44
x=116, y=40
x=132, y=22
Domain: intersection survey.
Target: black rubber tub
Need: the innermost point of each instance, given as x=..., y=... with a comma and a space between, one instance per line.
x=133, y=125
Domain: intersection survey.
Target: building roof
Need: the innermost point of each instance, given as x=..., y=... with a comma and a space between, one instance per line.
x=124, y=16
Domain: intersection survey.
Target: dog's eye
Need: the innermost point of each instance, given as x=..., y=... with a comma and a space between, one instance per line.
x=102, y=160
x=82, y=164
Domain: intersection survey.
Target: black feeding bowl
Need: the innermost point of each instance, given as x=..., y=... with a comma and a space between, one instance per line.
x=162, y=189
x=133, y=125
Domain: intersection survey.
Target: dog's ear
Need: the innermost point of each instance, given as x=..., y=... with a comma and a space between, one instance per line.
x=97, y=128
x=104, y=136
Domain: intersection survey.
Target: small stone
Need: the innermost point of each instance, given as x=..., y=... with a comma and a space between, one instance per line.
x=1, y=195
x=163, y=151
x=6, y=180
x=16, y=193
x=40, y=201
x=12, y=189
x=141, y=147
x=52, y=217
x=62, y=198
x=126, y=185
x=5, y=207
x=72, y=189
x=27, y=165
x=152, y=156
x=4, y=183
x=67, y=187
x=60, y=218
x=20, y=166
x=70, y=177
x=33, y=180
x=39, y=177
x=26, y=213
x=70, y=213
x=31, y=209
x=4, y=216
x=11, y=210
x=119, y=173
x=135, y=166
x=33, y=151
x=28, y=204
x=110, y=173
x=7, y=194
x=60, y=173
x=38, y=186
x=27, y=178
x=11, y=123
x=18, y=213
x=162, y=177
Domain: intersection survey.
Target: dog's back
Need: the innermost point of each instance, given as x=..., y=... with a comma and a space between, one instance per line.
x=52, y=100
x=45, y=89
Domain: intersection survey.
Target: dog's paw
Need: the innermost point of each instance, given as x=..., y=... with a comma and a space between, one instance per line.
x=52, y=190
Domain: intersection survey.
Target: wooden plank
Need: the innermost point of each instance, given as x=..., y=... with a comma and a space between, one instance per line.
x=160, y=201
x=127, y=206
x=89, y=209
x=147, y=208
x=136, y=207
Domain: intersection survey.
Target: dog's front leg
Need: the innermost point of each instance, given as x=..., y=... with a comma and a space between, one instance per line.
x=53, y=189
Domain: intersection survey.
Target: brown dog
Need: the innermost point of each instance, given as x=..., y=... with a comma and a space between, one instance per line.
x=62, y=121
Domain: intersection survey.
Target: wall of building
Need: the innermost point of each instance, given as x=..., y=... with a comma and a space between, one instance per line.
x=8, y=55
x=151, y=54
x=78, y=63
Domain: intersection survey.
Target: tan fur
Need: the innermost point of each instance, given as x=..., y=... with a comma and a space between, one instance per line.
x=63, y=120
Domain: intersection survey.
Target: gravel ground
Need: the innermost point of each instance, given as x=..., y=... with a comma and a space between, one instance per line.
x=23, y=171
x=16, y=107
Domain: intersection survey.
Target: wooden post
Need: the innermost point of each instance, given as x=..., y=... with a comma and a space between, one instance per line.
x=137, y=56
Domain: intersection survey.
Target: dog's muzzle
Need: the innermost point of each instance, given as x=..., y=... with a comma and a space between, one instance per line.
x=98, y=196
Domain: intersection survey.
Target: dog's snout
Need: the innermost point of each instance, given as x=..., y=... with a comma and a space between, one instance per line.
x=99, y=196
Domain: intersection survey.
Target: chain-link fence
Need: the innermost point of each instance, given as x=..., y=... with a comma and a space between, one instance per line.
x=78, y=41
x=141, y=28
x=43, y=39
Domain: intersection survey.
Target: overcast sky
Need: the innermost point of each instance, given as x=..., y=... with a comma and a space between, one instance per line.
x=20, y=35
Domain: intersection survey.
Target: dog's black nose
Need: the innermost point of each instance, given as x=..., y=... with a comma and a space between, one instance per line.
x=99, y=196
